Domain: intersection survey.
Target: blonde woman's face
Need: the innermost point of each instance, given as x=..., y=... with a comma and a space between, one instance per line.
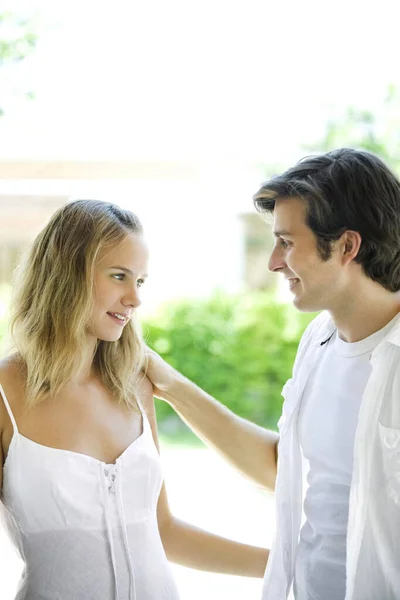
x=120, y=273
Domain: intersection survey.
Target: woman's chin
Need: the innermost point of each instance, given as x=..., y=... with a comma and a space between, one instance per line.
x=108, y=336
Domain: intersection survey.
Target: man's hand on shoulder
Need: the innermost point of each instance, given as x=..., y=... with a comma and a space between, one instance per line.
x=161, y=375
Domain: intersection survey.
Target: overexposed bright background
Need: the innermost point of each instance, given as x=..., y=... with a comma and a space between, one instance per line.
x=220, y=93
x=204, y=80
x=224, y=91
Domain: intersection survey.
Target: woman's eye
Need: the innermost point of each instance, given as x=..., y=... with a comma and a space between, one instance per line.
x=140, y=282
x=119, y=276
x=284, y=243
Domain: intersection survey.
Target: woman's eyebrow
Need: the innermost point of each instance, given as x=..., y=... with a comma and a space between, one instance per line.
x=127, y=270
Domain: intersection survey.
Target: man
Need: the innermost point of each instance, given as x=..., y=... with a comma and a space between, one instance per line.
x=337, y=230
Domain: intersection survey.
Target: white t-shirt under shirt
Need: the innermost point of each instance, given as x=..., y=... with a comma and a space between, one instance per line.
x=327, y=425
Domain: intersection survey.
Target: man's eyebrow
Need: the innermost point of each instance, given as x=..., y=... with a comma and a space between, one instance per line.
x=280, y=233
x=127, y=270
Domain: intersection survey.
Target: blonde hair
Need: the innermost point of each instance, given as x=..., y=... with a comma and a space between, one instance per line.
x=53, y=298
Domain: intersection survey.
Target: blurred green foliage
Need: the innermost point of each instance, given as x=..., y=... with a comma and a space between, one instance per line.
x=18, y=39
x=240, y=349
x=377, y=131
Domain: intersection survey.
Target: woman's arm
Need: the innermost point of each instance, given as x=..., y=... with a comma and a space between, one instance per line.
x=191, y=546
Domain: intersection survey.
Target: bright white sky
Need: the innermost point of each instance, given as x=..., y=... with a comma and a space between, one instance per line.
x=184, y=79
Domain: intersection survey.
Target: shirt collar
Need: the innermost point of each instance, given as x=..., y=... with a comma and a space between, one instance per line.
x=393, y=337
x=327, y=329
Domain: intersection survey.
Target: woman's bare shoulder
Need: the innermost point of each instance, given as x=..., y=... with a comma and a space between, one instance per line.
x=7, y=379
x=12, y=379
x=11, y=370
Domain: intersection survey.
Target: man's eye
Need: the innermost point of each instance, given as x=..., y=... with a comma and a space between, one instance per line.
x=284, y=243
x=119, y=276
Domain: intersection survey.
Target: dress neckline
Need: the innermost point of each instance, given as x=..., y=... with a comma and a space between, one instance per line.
x=82, y=454
x=16, y=433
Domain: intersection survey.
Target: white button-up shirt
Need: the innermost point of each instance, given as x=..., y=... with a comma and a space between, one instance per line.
x=373, y=534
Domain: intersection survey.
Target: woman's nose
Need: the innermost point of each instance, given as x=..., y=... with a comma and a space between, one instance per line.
x=132, y=298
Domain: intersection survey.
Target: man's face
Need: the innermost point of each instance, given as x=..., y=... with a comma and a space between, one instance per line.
x=315, y=284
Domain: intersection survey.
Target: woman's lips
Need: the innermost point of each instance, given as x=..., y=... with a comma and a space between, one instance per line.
x=120, y=319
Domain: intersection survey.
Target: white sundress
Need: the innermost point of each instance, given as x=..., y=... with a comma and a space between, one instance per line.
x=86, y=530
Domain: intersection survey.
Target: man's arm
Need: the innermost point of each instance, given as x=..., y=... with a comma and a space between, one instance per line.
x=191, y=546
x=248, y=447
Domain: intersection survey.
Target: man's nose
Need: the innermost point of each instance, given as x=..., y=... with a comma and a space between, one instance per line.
x=276, y=260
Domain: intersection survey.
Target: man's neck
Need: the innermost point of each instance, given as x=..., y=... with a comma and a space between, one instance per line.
x=362, y=315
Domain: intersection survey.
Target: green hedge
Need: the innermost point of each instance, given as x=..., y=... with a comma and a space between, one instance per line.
x=240, y=349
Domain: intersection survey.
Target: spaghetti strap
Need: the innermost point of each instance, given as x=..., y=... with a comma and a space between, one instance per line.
x=145, y=420
x=139, y=404
x=10, y=414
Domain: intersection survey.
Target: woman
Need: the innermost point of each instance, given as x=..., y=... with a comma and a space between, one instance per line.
x=82, y=489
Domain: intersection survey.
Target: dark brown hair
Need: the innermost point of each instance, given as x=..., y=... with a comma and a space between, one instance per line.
x=346, y=189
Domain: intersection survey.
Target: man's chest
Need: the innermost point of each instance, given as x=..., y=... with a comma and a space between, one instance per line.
x=329, y=409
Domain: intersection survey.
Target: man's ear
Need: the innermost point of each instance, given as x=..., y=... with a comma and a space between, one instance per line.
x=351, y=242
